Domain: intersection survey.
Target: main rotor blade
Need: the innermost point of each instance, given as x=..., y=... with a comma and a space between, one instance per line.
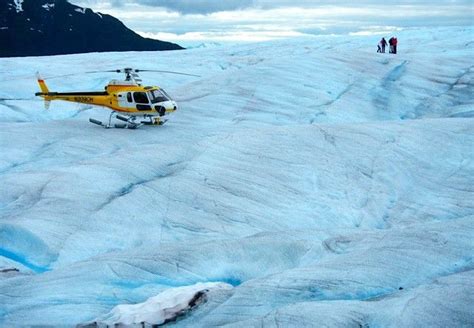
x=169, y=72
x=122, y=70
x=107, y=71
x=73, y=74
x=5, y=99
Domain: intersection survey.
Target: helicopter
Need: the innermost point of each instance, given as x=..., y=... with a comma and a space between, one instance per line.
x=130, y=102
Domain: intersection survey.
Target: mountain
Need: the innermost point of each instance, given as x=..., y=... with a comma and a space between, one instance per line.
x=53, y=27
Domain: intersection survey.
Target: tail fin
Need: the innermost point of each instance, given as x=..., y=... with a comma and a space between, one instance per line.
x=42, y=84
x=44, y=91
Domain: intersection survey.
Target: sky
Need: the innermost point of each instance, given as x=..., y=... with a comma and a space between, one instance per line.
x=194, y=21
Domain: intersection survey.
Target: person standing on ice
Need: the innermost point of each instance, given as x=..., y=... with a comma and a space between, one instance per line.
x=390, y=42
x=395, y=42
x=383, y=43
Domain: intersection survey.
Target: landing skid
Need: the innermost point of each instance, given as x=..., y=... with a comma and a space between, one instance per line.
x=131, y=122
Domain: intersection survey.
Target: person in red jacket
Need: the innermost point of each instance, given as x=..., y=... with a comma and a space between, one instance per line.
x=395, y=42
x=390, y=42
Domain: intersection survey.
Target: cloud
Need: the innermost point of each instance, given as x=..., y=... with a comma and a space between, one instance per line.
x=223, y=36
x=181, y=6
x=212, y=6
x=200, y=6
x=255, y=20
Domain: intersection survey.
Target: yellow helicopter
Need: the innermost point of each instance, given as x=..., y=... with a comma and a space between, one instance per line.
x=130, y=102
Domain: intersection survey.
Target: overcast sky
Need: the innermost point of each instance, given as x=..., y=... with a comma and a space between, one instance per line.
x=187, y=21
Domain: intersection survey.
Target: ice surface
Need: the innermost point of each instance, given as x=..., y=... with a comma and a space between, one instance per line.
x=326, y=183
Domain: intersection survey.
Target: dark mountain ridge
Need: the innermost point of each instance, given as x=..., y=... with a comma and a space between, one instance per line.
x=54, y=27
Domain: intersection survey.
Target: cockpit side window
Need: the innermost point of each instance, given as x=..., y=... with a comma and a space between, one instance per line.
x=129, y=97
x=140, y=97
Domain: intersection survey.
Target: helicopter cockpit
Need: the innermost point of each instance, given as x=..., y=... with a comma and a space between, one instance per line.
x=157, y=96
x=151, y=99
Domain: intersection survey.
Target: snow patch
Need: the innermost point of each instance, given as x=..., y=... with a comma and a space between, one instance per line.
x=48, y=6
x=18, y=5
x=164, y=307
x=80, y=10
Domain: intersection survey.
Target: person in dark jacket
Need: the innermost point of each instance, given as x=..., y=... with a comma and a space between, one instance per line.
x=383, y=43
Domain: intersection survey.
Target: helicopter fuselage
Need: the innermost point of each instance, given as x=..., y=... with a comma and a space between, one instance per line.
x=120, y=96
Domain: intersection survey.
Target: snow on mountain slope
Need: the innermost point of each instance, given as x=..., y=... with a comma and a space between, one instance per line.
x=325, y=182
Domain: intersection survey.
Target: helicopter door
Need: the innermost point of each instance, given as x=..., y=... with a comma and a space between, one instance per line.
x=125, y=100
x=142, y=100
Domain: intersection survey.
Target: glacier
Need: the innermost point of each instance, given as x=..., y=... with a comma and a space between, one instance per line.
x=321, y=183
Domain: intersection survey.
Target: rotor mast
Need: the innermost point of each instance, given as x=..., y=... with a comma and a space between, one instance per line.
x=131, y=75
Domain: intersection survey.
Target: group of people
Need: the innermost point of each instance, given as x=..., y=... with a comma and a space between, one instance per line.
x=392, y=42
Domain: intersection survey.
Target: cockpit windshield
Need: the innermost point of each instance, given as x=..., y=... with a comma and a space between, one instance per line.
x=157, y=96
